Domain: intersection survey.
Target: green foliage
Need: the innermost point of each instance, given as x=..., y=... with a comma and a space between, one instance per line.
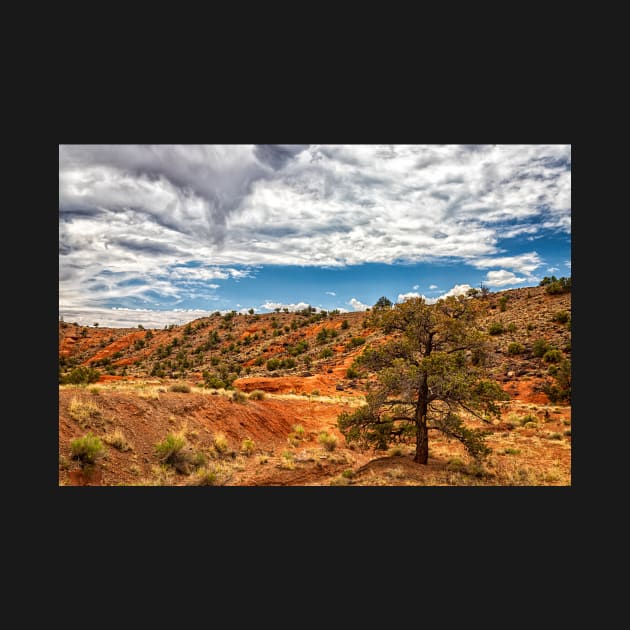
x=182, y=388
x=81, y=375
x=555, y=286
x=424, y=374
x=516, y=348
x=298, y=348
x=503, y=300
x=87, y=449
x=560, y=390
x=355, y=342
x=540, y=347
x=552, y=356
x=562, y=317
x=352, y=372
x=276, y=364
x=248, y=446
x=257, y=394
x=238, y=396
x=344, y=324
x=326, y=353
x=383, y=302
x=329, y=442
x=511, y=327
x=169, y=449
x=496, y=328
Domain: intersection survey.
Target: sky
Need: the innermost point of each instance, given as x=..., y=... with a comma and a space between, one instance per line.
x=162, y=234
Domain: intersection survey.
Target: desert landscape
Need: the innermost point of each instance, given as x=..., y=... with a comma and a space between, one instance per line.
x=250, y=399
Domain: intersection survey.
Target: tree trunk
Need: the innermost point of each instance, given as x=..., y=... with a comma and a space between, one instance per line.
x=422, y=433
x=422, y=443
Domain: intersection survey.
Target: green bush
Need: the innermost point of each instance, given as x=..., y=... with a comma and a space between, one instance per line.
x=552, y=356
x=81, y=376
x=182, y=388
x=355, y=342
x=238, y=396
x=326, y=353
x=248, y=446
x=511, y=327
x=169, y=449
x=496, y=328
x=539, y=347
x=352, y=372
x=87, y=449
x=329, y=442
x=257, y=394
x=562, y=317
x=516, y=348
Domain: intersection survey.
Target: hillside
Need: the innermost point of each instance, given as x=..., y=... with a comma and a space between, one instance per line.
x=300, y=361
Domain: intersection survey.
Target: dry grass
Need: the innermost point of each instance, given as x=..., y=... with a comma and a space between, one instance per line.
x=83, y=411
x=117, y=439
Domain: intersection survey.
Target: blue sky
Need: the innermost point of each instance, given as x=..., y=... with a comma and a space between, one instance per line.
x=160, y=234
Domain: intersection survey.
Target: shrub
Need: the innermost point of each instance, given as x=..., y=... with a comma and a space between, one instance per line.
x=83, y=411
x=511, y=327
x=220, y=443
x=496, y=328
x=348, y=473
x=315, y=392
x=299, y=431
x=248, y=446
x=326, y=353
x=238, y=396
x=562, y=317
x=87, y=449
x=182, y=388
x=257, y=394
x=555, y=436
x=329, y=442
x=118, y=440
x=516, y=348
x=503, y=303
x=169, y=449
x=81, y=376
x=352, y=372
x=540, y=347
x=344, y=324
x=355, y=342
x=552, y=356
x=530, y=326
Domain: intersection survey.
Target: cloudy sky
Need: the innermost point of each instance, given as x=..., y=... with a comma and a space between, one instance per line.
x=160, y=234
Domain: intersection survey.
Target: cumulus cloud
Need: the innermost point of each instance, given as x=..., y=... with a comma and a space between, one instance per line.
x=502, y=278
x=522, y=263
x=357, y=305
x=300, y=306
x=142, y=212
x=405, y=296
x=130, y=317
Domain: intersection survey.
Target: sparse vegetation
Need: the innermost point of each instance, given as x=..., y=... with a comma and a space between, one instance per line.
x=117, y=439
x=516, y=348
x=182, y=388
x=257, y=394
x=328, y=441
x=87, y=449
x=496, y=328
x=248, y=446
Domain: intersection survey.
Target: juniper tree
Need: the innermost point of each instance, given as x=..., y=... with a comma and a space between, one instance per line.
x=425, y=377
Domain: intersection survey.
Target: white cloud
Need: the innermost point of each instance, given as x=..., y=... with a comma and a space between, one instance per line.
x=522, y=263
x=331, y=293
x=145, y=211
x=502, y=278
x=129, y=317
x=552, y=269
x=272, y=306
x=405, y=296
x=458, y=289
x=357, y=305
x=567, y=263
x=415, y=287
x=432, y=287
